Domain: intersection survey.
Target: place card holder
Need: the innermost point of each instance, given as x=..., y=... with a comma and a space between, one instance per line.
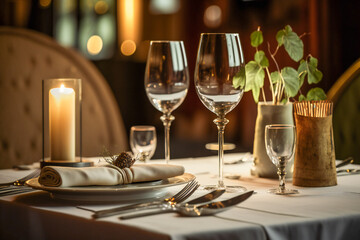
x=314, y=163
x=62, y=123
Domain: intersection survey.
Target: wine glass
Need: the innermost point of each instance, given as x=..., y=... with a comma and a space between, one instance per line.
x=219, y=62
x=143, y=142
x=280, y=140
x=166, y=81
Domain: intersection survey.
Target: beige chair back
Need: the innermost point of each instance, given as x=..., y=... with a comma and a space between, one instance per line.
x=28, y=57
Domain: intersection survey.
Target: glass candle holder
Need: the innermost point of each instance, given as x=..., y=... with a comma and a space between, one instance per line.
x=61, y=110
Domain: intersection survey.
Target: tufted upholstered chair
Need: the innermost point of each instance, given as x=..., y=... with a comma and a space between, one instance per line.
x=27, y=57
x=345, y=94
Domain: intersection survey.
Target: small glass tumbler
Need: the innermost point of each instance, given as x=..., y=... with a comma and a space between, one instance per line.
x=280, y=141
x=143, y=142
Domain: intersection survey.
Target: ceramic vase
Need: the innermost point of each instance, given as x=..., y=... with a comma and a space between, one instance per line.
x=268, y=113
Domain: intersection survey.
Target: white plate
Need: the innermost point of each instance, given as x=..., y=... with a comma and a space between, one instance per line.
x=134, y=191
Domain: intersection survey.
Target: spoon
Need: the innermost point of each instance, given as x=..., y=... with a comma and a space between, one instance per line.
x=196, y=210
x=247, y=157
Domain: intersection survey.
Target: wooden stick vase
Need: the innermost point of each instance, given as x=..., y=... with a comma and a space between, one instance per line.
x=314, y=164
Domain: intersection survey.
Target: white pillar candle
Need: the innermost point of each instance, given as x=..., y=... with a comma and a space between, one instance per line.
x=62, y=124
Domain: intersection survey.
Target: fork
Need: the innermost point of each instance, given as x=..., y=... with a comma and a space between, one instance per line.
x=21, y=181
x=17, y=186
x=181, y=196
x=15, y=190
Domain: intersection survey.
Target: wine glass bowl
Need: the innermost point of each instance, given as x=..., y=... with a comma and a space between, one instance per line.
x=280, y=141
x=219, y=62
x=166, y=81
x=143, y=142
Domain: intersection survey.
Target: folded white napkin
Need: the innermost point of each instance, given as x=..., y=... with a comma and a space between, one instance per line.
x=53, y=176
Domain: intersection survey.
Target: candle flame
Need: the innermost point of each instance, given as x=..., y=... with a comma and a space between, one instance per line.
x=62, y=88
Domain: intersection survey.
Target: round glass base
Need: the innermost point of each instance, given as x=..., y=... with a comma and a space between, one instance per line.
x=286, y=191
x=228, y=189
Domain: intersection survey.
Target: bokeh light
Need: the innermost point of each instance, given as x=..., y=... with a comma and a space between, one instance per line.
x=212, y=16
x=128, y=47
x=94, y=45
x=101, y=7
x=44, y=3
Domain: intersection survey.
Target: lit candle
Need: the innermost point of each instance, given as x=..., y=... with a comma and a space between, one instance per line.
x=62, y=124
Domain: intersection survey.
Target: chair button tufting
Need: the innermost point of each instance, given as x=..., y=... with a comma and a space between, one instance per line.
x=27, y=81
x=18, y=155
x=48, y=61
x=33, y=61
x=10, y=49
x=33, y=144
x=27, y=109
x=4, y=145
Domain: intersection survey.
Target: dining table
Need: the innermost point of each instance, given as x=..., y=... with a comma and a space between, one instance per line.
x=315, y=213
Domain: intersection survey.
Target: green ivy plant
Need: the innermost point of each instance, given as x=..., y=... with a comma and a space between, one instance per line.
x=285, y=83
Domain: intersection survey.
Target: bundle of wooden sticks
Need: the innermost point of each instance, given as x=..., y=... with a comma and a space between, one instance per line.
x=314, y=108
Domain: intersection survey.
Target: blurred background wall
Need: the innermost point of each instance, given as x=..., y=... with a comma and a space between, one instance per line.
x=115, y=36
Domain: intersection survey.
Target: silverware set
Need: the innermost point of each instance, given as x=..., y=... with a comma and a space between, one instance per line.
x=18, y=186
x=196, y=207
x=345, y=162
x=181, y=196
x=195, y=210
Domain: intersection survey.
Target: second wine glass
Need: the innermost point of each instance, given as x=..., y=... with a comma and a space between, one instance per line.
x=166, y=81
x=219, y=84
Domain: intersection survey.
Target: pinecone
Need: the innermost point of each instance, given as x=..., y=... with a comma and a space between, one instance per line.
x=124, y=160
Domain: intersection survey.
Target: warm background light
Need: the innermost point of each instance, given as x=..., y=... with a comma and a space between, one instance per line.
x=129, y=25
x=101, y=7
x=212, y=16
x=44, y=3
x=128, y=47
x=94, y=44
x=164, y=6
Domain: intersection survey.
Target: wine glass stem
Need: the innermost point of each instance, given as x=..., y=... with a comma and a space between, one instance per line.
x=221, y=122
x=281, y=172
x=167, y=119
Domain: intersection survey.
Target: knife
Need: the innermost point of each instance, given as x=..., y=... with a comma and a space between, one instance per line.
x=135, y=207
x=347, y=161
x=195, y=210
x=350, y=171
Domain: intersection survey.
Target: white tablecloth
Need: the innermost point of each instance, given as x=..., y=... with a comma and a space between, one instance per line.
x=315, y=213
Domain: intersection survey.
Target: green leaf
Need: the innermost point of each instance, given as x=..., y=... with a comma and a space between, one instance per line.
x=288, y=29
x=256, y=38
x=302, y=98
x=315, y=94
x=255, y=76
x=302, y=71
x=292, y=83
x=293, y=44
x=239, y=79
x=280, y=37
x=284, y=101
x=314, y=74
x=275, y=77
x=261, y=59
x=313, y=61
